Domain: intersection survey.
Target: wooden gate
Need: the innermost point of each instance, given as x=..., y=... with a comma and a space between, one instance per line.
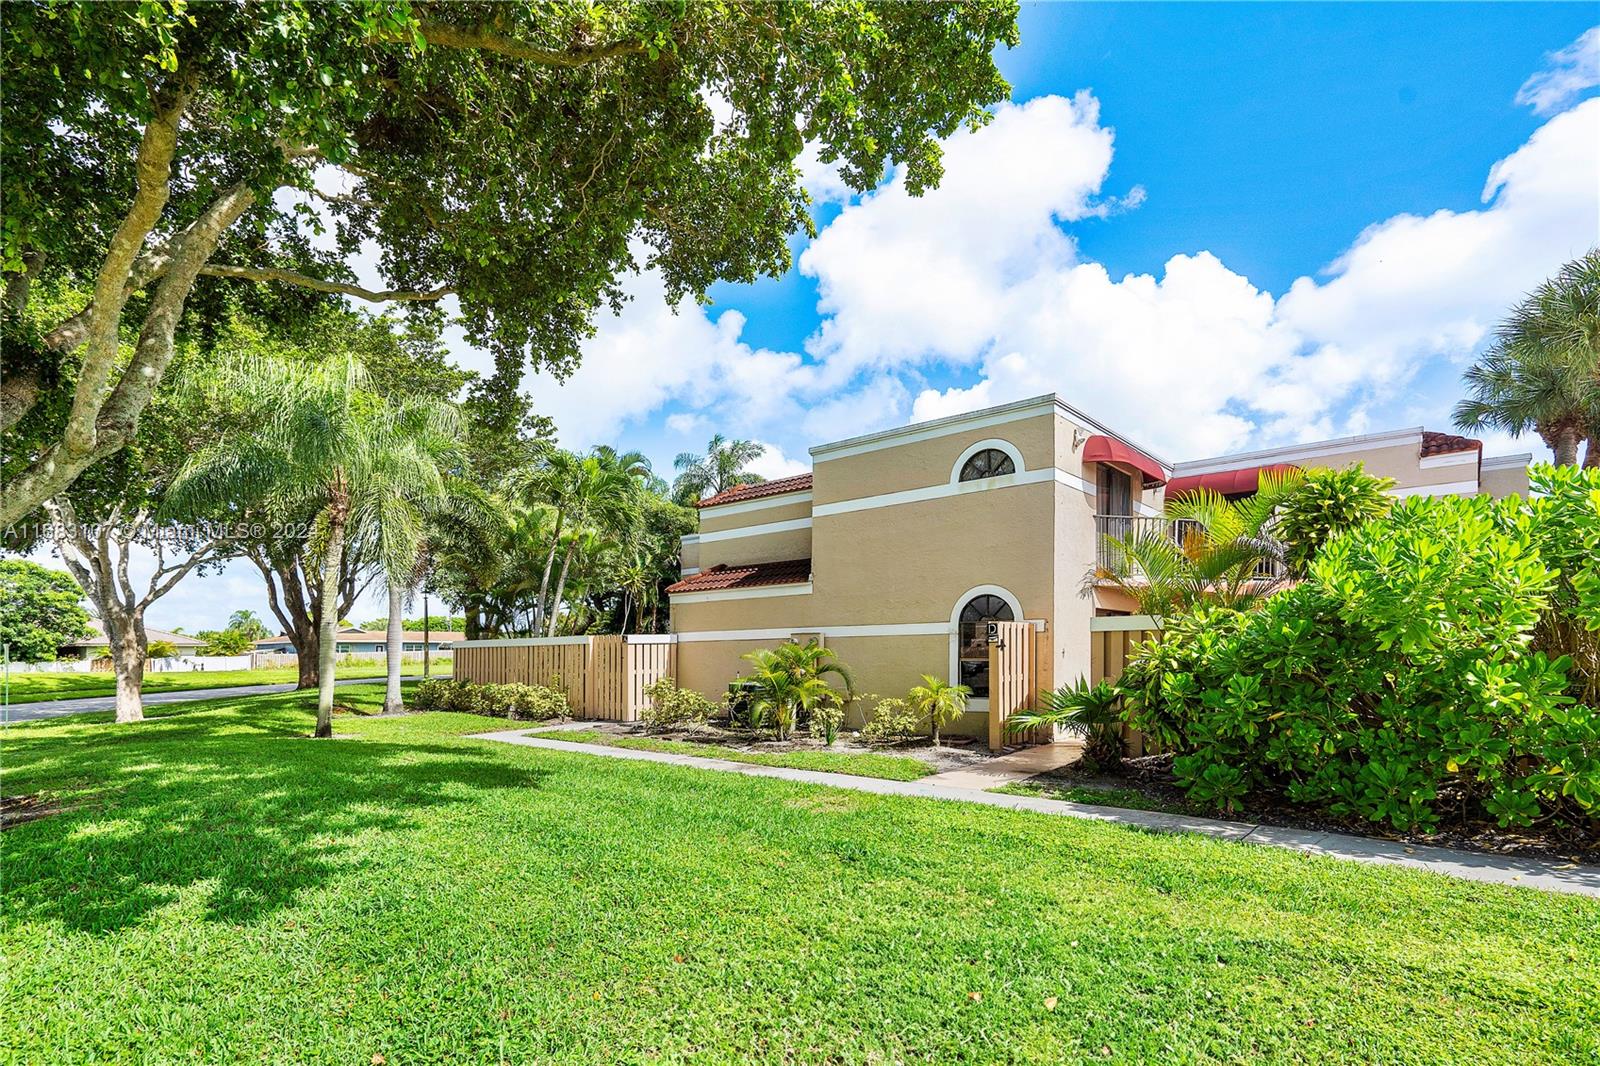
x=1013, y=678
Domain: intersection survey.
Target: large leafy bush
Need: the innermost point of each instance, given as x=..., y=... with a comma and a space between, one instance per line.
x=670, y=705
x=1437, y=649
x=1328, y=502
x=533, y=703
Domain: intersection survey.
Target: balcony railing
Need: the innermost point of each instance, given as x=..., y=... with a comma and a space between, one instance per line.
x=1109, y=529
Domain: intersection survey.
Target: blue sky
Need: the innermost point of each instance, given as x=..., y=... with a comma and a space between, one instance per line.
x=1214, y=226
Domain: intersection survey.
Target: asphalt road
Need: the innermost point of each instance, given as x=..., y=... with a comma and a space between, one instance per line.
x=30, y=712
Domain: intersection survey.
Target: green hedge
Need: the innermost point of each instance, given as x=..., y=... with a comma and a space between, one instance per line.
x=531, y=703
x=1450, y=646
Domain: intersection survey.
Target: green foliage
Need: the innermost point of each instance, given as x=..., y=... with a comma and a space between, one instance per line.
x=39, y=611
x=938, y=701
x=436, y=623
x=1210, y=550
x=1326, y=503
x=228, y=641
x=826, y=717
x=670, y=705
x=1080, y=709
x=892, y=718
x=1422, y=654
x=161, y=649
x=720, y=468
x=532, y=703
x=791, y=682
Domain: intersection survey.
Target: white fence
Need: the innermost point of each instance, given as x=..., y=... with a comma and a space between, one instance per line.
x=65, y=666
x=176, y=664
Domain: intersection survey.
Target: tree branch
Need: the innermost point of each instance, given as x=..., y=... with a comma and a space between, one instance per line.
x=484, y=39
x=289, y=277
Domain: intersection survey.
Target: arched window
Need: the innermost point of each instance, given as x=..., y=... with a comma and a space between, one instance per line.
x=991, y=462
x=972, y=639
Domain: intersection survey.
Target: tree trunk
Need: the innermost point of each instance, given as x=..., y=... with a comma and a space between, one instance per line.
x=125, y=632
x=392, y=703
x=1591, y=452
x=1566, y=446
x=328, y=624
x=544, y=582
x=561, y=585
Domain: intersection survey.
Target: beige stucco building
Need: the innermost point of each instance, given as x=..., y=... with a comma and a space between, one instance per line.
x=899, y=545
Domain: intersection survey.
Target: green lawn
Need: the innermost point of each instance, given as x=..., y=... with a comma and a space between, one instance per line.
x=222, y=889
x=27, y=688
x=1128, y=798
x=861, y=764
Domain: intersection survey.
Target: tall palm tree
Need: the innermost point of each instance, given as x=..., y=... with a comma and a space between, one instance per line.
x=1210, y=549
x=720, y=468
x=595, y=496
x=249, y=623
x=320, y=439
x=1542, y=371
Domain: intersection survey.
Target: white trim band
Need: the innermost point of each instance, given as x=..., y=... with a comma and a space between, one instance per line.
x=1124, y=623
x=1301, y=453
x=755, y=531
x=1454, y=488
x=1428, y=462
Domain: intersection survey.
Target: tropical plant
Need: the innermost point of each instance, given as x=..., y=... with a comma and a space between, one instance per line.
x=319, y=441
x=1425, y=665
x=826, y=717
x=249, y=624
x=519, y=158
x=162, y=649
x=1092, y=712
x=722, y=467
x=228, y=641
x=892, y=718
x=1327, y=503
x=1541, y=373
x=1213, y=550
x=938, y=701
x=791, y=681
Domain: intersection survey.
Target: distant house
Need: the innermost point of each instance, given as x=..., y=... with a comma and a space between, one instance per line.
x=97, y=645
x=365, y=641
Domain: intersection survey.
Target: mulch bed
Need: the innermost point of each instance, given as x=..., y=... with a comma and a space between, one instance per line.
x=1151, y=776
x=950, y=755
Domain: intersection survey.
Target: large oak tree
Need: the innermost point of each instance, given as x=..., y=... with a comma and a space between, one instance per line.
x=514, y=155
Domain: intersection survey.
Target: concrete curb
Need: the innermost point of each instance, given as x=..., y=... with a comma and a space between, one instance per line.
x=1468, y=865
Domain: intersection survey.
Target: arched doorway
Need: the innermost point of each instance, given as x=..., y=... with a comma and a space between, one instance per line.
x=970, y=652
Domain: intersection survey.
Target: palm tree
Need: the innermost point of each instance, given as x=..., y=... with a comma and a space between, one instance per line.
x=941, y=701
x=791, y=680
x=720, y=468
x=249, y=623
x=595, y=496
x=1211, y=549
x=319, y=439
x=1542, y=371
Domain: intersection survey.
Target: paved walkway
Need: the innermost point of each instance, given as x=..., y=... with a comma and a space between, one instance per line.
x=1470, y=865
x=28, y=712
x=1009, y=769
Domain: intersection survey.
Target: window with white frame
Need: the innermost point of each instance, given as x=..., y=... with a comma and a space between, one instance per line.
x=972, y=641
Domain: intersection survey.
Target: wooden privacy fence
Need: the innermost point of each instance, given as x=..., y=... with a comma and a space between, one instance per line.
x=1111, y=643
x=603, y=677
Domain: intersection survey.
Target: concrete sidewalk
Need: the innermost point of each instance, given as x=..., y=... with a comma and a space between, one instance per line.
x=33, y=712
x=1469, y=865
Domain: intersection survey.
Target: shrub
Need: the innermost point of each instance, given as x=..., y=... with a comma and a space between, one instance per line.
x=892, y=719
x=1327, y=503
x=671, y=705
x=530, y=703
x=1421, y=654
x=161, y=649
x=825, y=720
x=1081, y=709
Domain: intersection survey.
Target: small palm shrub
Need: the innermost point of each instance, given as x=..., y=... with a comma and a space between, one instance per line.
x=672, y=706
x=938, y=701
x=1081, y=709
x=1436, y=651
x=787, y=684
x=892, y=718
x=1326, y=503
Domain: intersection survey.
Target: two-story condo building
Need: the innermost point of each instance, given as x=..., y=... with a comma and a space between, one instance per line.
x=900, y=545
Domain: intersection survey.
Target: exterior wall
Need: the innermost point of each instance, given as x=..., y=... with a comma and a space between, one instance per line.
x=1396, y=455
x=1505, y=476
x=923, y=463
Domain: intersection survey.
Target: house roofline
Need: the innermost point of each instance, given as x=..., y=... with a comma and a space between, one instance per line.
x=1291, y=453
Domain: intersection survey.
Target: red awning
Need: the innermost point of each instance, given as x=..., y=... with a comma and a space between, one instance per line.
x=1228, y=482
x=1103, y=449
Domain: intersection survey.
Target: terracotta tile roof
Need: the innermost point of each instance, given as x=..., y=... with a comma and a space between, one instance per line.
x=1445, y=443
x=753, y=575
x=761, y=489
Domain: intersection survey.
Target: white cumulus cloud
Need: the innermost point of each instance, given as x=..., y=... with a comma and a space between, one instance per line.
x=1568, y=73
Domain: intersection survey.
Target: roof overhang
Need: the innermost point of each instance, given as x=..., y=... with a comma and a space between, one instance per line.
x=1101, y=448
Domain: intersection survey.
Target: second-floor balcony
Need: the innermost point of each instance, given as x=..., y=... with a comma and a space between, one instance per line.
x=1112, y=532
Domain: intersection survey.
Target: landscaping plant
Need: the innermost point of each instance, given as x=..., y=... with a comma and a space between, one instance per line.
x=1327, y=503
x=892, y=718
x=1436, y=653
x=1092, y=712
x=670, y=705
x=938, y=701
x=789, y=684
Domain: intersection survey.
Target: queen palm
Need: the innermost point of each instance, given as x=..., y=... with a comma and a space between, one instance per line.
x=318, y=439
x=1210, y=549
x=1542, y=371
x=721, y=467
x=939, y=700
